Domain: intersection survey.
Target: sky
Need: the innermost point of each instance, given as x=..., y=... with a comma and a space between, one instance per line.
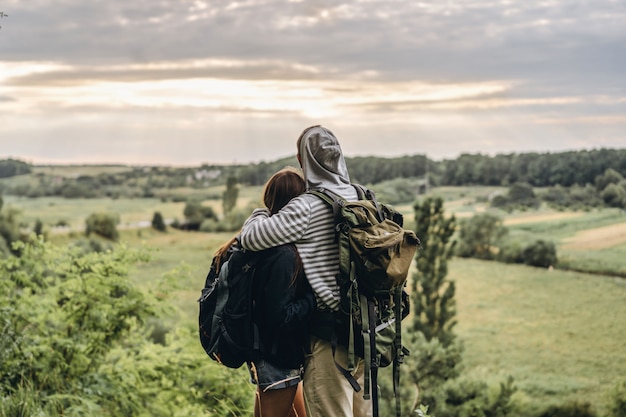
x=158, y=82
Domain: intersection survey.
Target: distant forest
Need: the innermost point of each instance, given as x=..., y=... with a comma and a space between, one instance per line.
x=563, y=169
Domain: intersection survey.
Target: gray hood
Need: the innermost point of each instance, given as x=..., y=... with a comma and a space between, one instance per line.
x=322, y=161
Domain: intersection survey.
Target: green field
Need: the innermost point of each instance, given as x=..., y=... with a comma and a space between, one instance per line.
x=561, y=335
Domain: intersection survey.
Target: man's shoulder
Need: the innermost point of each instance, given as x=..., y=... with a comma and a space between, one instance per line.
x=349, y=194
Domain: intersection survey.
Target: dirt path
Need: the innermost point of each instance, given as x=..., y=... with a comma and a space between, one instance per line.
x=540, y=217
x=599, y=238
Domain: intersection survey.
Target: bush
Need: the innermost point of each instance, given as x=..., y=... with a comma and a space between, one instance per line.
x=614, y=195
x=617, y=406
x=157, y=222
x=540, y=253
x=479, y=236
x=103, y=224
x=195, y=213
x=610, y=176
x=75, y=343
x=511, y=253
x=571, y=409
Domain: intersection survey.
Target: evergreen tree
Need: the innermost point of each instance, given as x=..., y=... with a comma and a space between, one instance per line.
x=229, y=198
x=435, y=359
x=432, y=295
x=435, y=352
x=157, y=222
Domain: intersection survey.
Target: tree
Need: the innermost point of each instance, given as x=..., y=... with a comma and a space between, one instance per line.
x=433, y=295
x=9, y=230
x=436, y=354
x=610, y=176
x=229, y=197
x=157, y=222
x=479, y=236
x=13, y=167
x=540, y=253
x=195, y=213
x=103, y=224
x=614, y=195
x=522, y=194
x=435, y=350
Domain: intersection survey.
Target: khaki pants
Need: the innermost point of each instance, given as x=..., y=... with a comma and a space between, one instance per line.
x=327, y=393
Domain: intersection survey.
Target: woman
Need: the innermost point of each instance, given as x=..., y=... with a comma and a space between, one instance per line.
x=284, y=303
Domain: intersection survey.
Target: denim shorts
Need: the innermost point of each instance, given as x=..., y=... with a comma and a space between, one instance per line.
x=269, y=377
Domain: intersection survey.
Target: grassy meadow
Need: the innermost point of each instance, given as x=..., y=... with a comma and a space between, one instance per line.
x=560, y=334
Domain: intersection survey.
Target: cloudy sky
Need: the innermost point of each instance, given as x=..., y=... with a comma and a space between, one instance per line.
x=187, y=82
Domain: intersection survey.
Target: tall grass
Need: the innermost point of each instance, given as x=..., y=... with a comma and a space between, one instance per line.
x=561, y=335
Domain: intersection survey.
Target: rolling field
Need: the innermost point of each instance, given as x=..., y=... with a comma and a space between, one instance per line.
x=560, y=334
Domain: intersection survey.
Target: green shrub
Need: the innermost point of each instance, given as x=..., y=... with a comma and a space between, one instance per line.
x=540, y=253
x=570, y=409
x=103, y=224
x=77, y=341
x=157, y=222
x=511, y=253
x=479, y=236
x=614, y=195
x=617, y=406
x=195, y=213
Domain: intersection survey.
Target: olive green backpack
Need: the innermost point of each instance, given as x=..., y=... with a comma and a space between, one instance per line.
x=375, y=254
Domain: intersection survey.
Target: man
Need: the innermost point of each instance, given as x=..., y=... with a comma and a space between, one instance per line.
x=308, y=221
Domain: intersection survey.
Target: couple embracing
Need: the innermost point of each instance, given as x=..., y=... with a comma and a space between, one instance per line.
x=297, y=288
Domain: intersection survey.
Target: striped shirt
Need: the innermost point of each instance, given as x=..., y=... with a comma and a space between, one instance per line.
x=308, y=222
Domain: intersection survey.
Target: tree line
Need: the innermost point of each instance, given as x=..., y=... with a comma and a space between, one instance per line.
x=565, y=169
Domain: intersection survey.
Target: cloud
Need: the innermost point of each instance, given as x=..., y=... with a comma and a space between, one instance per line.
x=499, y=74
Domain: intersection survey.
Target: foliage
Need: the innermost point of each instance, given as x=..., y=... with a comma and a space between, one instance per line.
x=13, y=167
x=75, y=343
x=610, y=176
x=373, y=170
x=575, y=197
x=195, y=213
x=435, y=363
x=103, y=224
x=479, y=236
x=511, y=252
x=617, y=407
x=9, y=230
x=537, y=169
x=157, y=222
x=468, y=397
x=230, y=223
x=571, y=409
x=399, y=190
x=436, y=353
x=62, y=312
x=614, y=195
x=229, y=197
x=519, y=196
x=566, y=169
x=541, y=253
x=432, y=295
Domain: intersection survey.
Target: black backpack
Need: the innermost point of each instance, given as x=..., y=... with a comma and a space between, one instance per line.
x=227, y=330
x=375, y=254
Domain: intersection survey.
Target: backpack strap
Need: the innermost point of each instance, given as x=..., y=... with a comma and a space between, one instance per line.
x=399, y=349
